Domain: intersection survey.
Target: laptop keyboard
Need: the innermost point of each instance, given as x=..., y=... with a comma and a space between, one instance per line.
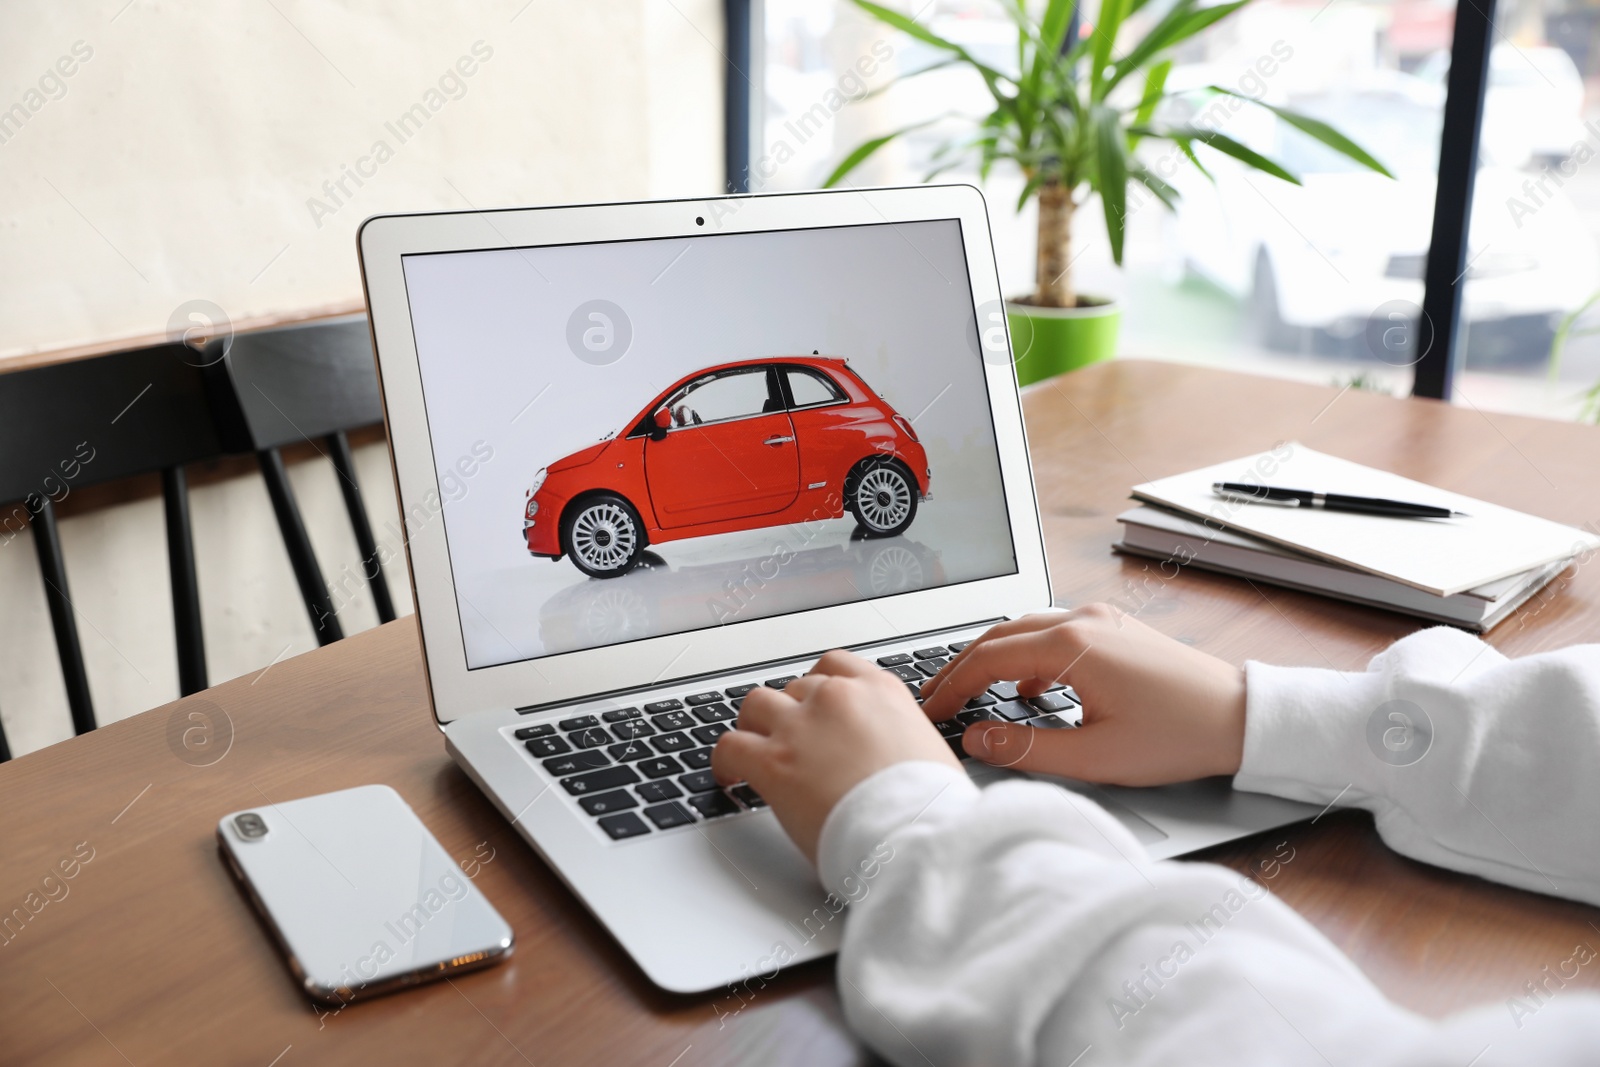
x=647, y=769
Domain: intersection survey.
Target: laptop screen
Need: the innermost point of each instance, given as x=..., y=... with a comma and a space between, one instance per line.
x=641, y=438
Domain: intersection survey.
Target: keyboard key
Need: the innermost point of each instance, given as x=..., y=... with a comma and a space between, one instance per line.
x=547, y=746
x=629, y=751
x=666, y=816
x=958, y=646
x=580, y=722
x=599, y=781
x=561, y=766
x=698, y=782
x=930, y=667
x=982, y=700
x=544, y=729
x=673, y=720
x=1004, y=690
x=620, y=715
x=967, y=718
x=915, y=690
x=748, y=797
x=698, y=760
x=606, y=803
x=593, y=737
x=899, y=659
x=672, y=742
x=1070, y=692
x=1052, y=722
x=929, y=653
x=662, y=705
x=659, y=767
x=624, y=825
x=715, y=713
x=707, y=735
x=627, y=731
x=696, y=699
x=905, y=673
x=950, y=728
x=713, y=804
x=655, y=792
x=736, y=692
x=779, y=683
x=956, y=747
x=1053, y=702
x=1015, y=710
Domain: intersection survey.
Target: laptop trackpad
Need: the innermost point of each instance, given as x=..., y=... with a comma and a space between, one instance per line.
x=1147, y=834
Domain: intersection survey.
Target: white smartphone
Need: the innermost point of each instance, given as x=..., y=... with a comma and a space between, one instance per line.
x=361, y=897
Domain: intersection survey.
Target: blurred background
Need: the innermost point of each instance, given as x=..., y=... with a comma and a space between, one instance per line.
x=173, y=169
x=1251, y=273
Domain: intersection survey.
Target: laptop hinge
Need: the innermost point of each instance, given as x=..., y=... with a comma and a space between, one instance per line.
x=613, y=694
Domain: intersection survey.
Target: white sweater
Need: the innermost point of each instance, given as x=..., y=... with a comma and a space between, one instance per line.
x=1021, y=924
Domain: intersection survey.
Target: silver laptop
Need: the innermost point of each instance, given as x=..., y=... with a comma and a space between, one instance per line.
x=653, y=455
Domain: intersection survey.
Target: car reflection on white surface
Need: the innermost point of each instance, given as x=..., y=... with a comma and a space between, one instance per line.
x=1320, y=261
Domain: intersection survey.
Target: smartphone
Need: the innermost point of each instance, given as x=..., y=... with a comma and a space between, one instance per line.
x=360, y=896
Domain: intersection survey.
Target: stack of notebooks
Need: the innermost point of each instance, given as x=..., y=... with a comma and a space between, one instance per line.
x=1470, y=571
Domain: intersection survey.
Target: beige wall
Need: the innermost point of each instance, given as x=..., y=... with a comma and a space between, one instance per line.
x=185, y=157
x=196, y=149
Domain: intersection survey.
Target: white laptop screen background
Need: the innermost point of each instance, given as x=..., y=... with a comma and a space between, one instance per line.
x=506, y=394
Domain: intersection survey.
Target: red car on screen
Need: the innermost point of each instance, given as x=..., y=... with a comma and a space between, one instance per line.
x=736, y=446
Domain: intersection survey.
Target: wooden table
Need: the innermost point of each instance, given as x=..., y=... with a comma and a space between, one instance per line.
x=152, y=955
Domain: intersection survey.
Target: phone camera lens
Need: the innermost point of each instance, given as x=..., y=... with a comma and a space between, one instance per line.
x=250, y=825
x=699, y=220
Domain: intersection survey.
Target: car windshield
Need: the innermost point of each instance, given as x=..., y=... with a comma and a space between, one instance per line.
x=1402, y=134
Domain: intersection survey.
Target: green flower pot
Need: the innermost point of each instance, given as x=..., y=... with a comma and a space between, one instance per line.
x=1050, y=341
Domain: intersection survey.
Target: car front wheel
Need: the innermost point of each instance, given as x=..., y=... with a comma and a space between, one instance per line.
x=882, y=496
x=604, y=536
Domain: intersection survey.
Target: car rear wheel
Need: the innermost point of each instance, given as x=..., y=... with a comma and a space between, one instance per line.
x=882, y=495
x=603, y=535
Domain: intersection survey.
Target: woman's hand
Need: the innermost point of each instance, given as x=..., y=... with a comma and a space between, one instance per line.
x=805, y=747
x=1155, y=710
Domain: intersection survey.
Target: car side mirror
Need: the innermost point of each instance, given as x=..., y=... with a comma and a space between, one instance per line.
x=662, y=420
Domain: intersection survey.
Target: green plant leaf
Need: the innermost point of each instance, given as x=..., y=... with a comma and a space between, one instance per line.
x=1222, y=143
x=1156, y=184
x=1315, y=128
x=1155, y=84
x=1188, y=150
x=1106, y=25
x=866, y=148
x=915, y=29
x=1111, y=175
x=1178, y=25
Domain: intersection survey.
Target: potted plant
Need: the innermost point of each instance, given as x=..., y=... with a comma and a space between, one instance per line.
x=1071, y=117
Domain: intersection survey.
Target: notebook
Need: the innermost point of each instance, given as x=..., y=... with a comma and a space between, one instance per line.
x=1439, y=556
x=1166, y=535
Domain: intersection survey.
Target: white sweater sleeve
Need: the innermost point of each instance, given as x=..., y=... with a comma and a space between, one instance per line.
x=1466, y=759
x=1021, y=924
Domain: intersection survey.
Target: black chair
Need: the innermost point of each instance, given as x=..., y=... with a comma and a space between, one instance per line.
x=69, y=426
x=272, y=388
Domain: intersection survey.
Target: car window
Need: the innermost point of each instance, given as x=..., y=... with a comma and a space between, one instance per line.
x=735, y=395
x=809, y=387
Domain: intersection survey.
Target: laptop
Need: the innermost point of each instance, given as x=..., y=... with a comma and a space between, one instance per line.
x=652, y=455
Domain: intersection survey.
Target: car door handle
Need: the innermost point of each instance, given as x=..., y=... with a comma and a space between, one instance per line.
x=776, y=441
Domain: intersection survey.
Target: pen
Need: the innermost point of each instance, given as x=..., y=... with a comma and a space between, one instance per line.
x=1304, y=498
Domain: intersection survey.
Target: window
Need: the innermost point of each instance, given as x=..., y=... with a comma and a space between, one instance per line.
x=1250, y=272
x=808, y=388
x=729, y=395
x=1532, y=254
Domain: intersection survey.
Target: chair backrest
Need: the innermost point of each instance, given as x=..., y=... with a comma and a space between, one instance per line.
x=298, y=383
x=77, y=424
x=95, y=420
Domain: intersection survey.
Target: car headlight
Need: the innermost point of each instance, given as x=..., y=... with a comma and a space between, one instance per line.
x=538, y=480
x=533, y=509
